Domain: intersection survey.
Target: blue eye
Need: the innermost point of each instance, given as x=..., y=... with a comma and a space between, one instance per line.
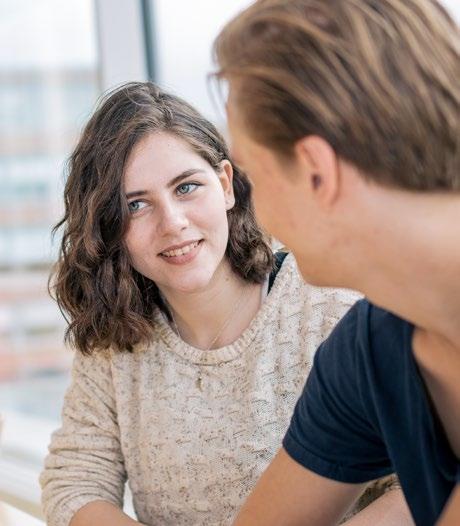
x=135, y=206
x=187, y=188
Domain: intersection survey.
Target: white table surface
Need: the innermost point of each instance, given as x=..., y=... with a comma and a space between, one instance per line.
x=11, y=516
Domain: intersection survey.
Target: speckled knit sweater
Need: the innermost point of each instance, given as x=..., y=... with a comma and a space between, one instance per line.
x=191, y=430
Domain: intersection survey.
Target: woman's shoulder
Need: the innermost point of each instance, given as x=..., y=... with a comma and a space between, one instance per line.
x=317, y=309
x=94, y=366
x=303, y=314
x=296, y=290
x=100, y=363
x=112, y=372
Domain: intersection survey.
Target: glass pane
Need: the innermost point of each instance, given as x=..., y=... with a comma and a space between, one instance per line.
x=183, y=36
x=453, y=7
x=48, y=86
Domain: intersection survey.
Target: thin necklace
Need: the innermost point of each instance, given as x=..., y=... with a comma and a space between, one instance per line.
x=199, y=379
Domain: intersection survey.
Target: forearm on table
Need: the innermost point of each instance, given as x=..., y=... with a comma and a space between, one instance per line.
x=101, y=513
x=289, y=494
x=388, y=510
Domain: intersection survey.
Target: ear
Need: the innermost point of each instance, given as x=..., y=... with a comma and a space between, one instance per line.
x=225, y=174
x=319, y=164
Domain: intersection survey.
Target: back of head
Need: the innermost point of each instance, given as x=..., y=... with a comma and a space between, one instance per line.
x=377, y=79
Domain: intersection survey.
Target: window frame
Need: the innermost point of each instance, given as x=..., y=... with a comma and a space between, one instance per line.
x=123, y=35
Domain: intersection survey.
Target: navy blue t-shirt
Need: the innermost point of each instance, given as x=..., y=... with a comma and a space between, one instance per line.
x=364, y=413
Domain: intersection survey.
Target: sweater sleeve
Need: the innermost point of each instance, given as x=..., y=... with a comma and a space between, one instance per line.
x=85, y=462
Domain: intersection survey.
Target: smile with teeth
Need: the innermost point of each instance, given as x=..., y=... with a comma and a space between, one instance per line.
x=181, y=251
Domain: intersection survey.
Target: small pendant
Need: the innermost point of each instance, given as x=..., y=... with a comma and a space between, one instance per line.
x=198, y=382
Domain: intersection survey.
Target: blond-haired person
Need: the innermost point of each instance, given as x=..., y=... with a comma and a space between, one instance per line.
x=346, y=116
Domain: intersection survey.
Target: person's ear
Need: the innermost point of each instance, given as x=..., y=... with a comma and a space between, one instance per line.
x=225, y=174
x=319, y=164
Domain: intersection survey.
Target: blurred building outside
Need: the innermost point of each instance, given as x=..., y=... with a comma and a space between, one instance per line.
x=56, y=58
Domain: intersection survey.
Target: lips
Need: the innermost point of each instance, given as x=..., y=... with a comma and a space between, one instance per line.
x=180, y=250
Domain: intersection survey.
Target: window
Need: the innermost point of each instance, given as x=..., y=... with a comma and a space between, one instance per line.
x=453, y=6
x=183, y=37
x=55, y=60
x=49, y=81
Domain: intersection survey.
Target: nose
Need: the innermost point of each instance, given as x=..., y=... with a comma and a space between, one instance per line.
x=172, y=219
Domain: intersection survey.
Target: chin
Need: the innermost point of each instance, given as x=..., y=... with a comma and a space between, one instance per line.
x=314, y=280
x=312, y=275
x=196, y=283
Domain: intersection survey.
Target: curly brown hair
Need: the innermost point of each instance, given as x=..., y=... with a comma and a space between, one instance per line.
x=107, y=303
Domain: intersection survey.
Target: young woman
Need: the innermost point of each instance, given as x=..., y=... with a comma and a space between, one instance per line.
x=192, y=340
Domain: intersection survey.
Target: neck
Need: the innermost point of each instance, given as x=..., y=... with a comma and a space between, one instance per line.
x=406, y=258
x=216, y=315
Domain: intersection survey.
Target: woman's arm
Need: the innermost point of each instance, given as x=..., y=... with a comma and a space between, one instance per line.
x=388, y=510
x=85, y=461
x=100, y=513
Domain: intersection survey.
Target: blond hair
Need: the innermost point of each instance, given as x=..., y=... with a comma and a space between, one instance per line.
x=379, y=80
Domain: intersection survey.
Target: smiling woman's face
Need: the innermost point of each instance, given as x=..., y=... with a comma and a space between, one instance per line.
x=178, y=230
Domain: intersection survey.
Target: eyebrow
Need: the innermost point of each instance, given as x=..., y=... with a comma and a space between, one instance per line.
x=173, y=182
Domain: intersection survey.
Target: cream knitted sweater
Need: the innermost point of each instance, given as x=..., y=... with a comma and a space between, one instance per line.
x=191, y=430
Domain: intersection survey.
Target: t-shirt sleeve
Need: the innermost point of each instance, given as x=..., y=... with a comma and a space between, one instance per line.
x=332, y=432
